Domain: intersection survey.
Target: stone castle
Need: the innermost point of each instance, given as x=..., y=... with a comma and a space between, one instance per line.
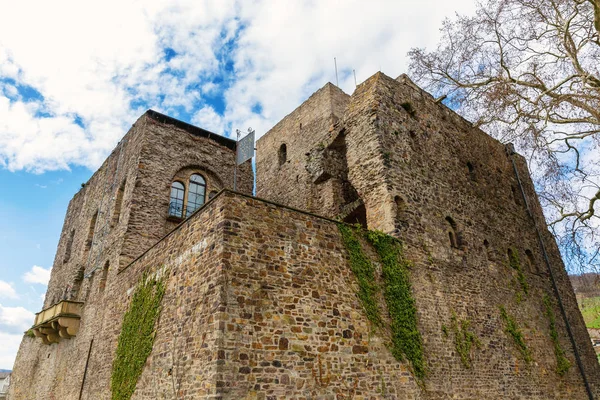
x=273, y=297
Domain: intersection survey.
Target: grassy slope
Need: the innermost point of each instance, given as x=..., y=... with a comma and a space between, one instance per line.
x=590, y=309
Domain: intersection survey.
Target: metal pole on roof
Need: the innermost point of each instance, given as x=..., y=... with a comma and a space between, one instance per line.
x=337, y=83
x=354, y=72
x=237, y=131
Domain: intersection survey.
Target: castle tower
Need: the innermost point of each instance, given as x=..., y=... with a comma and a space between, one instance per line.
x=161, y=172
x=276, y=299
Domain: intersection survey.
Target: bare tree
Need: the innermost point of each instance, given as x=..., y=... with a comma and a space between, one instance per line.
x=528, y=72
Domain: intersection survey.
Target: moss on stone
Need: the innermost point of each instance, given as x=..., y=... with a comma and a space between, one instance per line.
x=363, y=269
x=464, y=339
x=512, y=329
x=406, y=338
x=137, y=337
x=562, y=363
x=515, y=263
x=406, y=342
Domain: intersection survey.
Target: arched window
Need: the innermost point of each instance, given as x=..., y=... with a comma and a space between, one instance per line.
x=471, y=171
x=176, y=201
x=452, y=234
x=486, y=246
x=531, y=262
x=282, y=154
x=196, y=193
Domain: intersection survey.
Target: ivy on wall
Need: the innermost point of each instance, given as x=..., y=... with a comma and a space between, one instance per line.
x=406, y=341
x=512, y=329
x=562, y=363
x=363, y=269
x=464, y=339
x=515, y=263
x=137, y=337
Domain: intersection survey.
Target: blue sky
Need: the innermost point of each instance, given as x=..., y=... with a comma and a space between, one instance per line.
x=74, y=76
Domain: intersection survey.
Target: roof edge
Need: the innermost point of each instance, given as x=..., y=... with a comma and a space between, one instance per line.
x=192, y=129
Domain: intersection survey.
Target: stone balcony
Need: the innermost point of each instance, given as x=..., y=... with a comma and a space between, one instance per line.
x=58, y=321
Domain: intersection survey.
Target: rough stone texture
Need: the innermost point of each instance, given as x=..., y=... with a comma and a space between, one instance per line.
x=308, y=127
x=151, y=155
x=261, y=302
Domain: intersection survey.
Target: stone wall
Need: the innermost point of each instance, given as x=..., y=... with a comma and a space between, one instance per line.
x=119, y=213
x=308, y=127
x=261, y=302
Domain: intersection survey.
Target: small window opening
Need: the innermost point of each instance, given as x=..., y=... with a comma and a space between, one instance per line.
x=196, y=193
x=486, y=247
x=90, y=237
x=516, y=195
x=89, y=286
x=471, y=171
x=282, y=154
x=118, y=202
x=401, y=212
x=103, y=277
x=531, y=262
x=358, y=216
x=76, y=286
x=511, y=255
x=212, y=194
x=176, y=200
x=69, y=247
x=452, y=233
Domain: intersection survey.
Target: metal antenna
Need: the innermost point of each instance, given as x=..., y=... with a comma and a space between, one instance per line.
x=238, y=132
x=354, y=71
x=337, y=83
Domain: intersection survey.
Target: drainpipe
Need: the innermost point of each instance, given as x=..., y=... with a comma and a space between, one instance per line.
x=510, y=151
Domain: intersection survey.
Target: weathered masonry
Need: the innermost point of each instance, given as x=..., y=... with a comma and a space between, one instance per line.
x=274, y=299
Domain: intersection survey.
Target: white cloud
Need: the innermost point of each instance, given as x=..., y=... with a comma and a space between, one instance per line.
x=15, y=319
x=208, y=119
x=37, y=274
x=8, y=350
x=95, y=83
x=7, y=291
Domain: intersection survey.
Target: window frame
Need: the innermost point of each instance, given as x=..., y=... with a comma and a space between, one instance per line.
x=175, y=200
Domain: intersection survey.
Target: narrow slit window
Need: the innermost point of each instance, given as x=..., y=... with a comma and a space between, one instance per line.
x=471, y=171
x=531, y=262
x=401, y=214
x=103, y=277
x=118, y=203
x=69, y=247
x=452, y=233
x=90, y=237
x=196, y=193
x=282, y=154
x=516, y=195
x=176, y=200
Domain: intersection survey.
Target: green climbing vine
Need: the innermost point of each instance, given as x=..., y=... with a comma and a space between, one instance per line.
x=515, y=263
x=562, y=363
x=512, y=329
x=363, y=269
x=406, y=342
x=464, y=339
x=406, y=339
x=137, y=337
